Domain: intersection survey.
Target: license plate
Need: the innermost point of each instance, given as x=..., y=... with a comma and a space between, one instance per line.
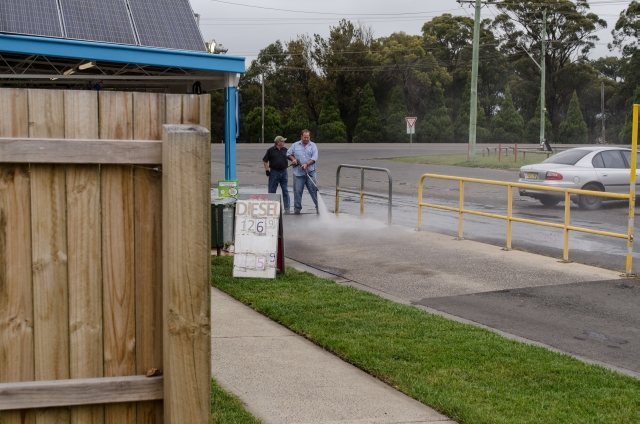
x=531, y=175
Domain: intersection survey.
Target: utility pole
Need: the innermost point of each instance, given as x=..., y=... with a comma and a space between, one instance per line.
x=543, y=76
x=473, y=112
x=262, y=139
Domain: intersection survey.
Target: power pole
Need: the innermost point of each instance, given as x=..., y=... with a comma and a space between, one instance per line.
x=543, y=75
x=262, y=139
x=473, y=112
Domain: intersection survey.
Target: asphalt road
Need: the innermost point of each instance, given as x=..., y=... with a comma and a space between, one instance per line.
x=577, y=309
x=584, y=248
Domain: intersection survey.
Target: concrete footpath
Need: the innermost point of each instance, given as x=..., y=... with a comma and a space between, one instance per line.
x=284, y=378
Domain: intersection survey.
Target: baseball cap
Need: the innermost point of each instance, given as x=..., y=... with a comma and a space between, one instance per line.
x=279, y=138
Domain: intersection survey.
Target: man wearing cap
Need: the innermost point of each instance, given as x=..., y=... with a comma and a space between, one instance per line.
x=304, y=155
x=276, y=164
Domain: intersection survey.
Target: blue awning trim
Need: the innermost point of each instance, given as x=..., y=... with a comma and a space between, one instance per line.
x=89, y=50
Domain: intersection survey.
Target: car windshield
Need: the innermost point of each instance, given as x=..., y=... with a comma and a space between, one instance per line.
x=568, y=157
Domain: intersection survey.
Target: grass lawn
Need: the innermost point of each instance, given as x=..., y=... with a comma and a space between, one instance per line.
x=506, y=162
x=227, y=408
x=467, y=373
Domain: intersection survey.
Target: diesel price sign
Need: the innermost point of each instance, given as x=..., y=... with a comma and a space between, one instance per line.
x=256, y=242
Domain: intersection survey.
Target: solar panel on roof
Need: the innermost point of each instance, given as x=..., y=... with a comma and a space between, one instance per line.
x=166, y=23
x=106, y=20
x=30, y=17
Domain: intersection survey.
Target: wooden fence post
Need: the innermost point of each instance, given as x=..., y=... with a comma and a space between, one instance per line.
x=186, y=199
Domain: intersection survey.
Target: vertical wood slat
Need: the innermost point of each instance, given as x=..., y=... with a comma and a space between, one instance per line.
x=186, y=164
x=173, y=109
x=191, y=109
x=118, y=272
x=16, y=288
x=49, y=252
x=148, y=119
x=205, y=111
x=84, y=245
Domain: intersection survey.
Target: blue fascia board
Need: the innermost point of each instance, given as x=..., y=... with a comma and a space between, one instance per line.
x=90, y=50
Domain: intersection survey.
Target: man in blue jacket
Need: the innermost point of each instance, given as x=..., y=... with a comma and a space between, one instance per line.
x=303, y=155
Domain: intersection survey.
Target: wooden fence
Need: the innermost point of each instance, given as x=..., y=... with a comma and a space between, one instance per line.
x=104, y=257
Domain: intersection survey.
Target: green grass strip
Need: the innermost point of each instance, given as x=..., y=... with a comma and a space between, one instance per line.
x=469, y=374
x=506, y=162
x=227, y=408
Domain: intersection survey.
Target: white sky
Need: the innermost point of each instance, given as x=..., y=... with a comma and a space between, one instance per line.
x=247, y=30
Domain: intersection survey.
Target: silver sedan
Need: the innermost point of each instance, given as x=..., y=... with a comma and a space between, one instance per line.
x=587, y=168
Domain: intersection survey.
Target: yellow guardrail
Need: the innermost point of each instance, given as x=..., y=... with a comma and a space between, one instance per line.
x=566, y=226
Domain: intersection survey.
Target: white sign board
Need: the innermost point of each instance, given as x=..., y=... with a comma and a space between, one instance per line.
x=411, y=125
x=256, y=242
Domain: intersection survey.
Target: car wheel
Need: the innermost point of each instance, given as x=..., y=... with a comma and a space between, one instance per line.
x=549, y=200
x=590, y=203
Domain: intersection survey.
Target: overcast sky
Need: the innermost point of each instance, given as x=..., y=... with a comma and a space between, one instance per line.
x=246, y=30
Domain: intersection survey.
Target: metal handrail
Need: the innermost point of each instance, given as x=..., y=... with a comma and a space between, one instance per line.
x=510, y=218
x=362, y=192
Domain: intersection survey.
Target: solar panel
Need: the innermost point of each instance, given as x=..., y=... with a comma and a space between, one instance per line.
x=30, y=17
x=106, y=20
x=166, y=23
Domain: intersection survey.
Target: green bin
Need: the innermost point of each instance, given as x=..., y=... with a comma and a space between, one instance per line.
x=223, y=211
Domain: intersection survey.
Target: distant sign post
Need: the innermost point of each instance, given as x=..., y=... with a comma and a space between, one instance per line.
x=411, y=129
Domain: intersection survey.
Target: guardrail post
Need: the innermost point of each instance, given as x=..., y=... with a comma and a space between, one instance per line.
x=509, y=214
x=461, y=214
x=567, y=221
x=361, y=192
x=632, y=189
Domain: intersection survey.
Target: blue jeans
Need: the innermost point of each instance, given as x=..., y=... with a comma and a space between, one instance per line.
x=298, y=187
x=281, y=178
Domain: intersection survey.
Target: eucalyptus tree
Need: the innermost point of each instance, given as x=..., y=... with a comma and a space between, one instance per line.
x=570, y=35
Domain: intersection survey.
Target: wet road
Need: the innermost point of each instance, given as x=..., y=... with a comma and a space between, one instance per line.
x=585, y=248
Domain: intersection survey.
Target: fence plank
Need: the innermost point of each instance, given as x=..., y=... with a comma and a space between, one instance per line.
x=148, y=120
x=116, y=122
x=86, y=391
x=173, y=109
x=186, y=265
x=46, y=113
x=55, y=150
x=16, y=304
x=149, y=116
x=190, y=109
x=49, y=252
x=116, y=115
x=118, y=282
x=205, y=111
x=83, y=239
x=16, y=298
x=14, y=115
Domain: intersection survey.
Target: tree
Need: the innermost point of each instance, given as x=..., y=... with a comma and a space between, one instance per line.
x=532, y=132
x=507, y=125
x=461, y=127
x=396, y=127
x=369, y=127
x=436, y=126
x=625, y=38
x=331, y=129
x=570, y=35
x=272, y=126
x=345, y=61
x=625, y=134
x=573, y=129
x=298, y=121
x=402, y=60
